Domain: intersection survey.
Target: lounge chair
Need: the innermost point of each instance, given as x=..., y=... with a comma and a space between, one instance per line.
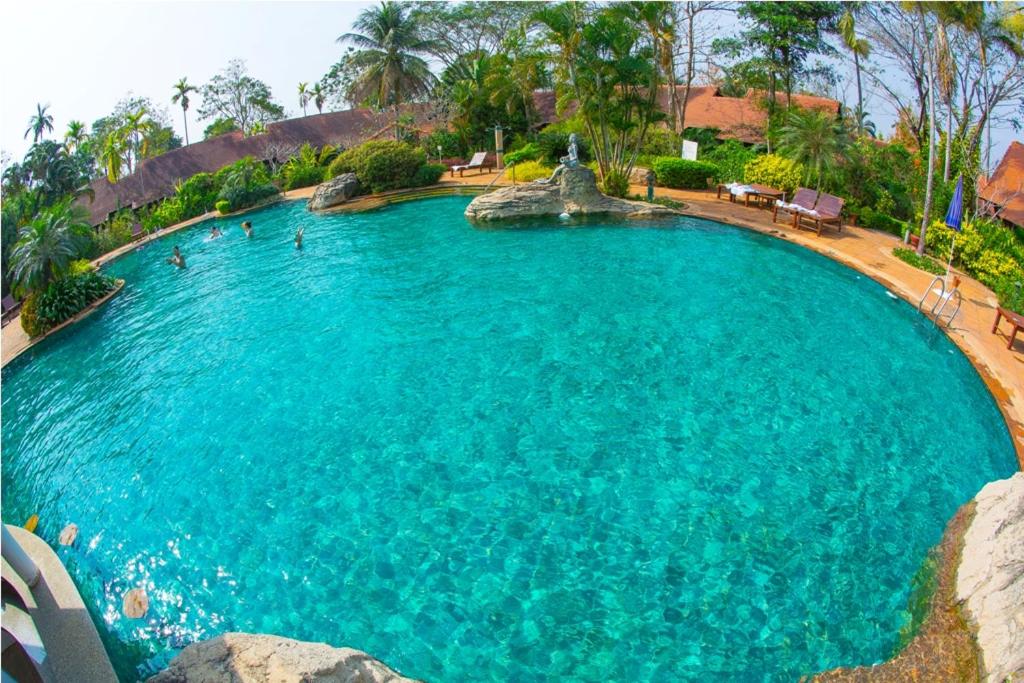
x=803, y=201
x=827, y=211
x=479, y=160
x=137, y=231
x=10, y=308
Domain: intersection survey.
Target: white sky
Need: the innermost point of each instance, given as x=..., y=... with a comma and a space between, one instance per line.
x=82, y=57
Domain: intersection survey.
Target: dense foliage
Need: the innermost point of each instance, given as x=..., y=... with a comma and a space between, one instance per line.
x=64, y=298
x=774, y=171
x=683, y=174
x=381, y=165
x=244, y=183
x=731, y=158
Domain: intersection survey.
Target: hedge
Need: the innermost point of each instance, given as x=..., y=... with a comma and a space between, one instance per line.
x=683, y=174
x=381, y=165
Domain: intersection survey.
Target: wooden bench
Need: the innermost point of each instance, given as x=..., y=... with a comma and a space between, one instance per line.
x=1013, y=318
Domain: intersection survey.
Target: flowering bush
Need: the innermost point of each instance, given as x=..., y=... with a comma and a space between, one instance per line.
x=774, y=171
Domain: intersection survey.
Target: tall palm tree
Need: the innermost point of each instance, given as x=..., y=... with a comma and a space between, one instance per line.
x=47, y=244
x=112, y=153
x=40, y=123
x=319, y=97
x=75, y=136
x=926, y=31
x=815, y=139
x=390, y=68
x=860, y=48
x=182, y=88
x=304, y=95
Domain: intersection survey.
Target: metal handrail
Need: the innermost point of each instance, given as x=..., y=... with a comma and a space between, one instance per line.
x=927, y=291
x=941, y=301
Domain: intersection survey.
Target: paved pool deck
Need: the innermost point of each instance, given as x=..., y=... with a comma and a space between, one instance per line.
x=867, y=251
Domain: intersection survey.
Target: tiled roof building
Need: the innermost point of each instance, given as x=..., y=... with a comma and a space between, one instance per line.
x=1002, y=195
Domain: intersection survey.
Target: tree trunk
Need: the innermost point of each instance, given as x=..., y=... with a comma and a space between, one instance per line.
x=860, y=96
x=691, y=54
x=184, y=117
x=949, y=139
x=926, y=217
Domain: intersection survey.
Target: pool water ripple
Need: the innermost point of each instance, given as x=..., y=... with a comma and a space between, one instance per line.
x=676, y=452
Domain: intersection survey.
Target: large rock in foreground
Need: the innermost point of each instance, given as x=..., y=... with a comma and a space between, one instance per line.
x=335, y=191
x=246, y=658
x=575, y=192
x=990, y=581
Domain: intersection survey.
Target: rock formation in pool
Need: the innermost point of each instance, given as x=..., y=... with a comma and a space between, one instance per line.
x=335, y=191
x=246, y=658
x=573, y=190
x=974, y=629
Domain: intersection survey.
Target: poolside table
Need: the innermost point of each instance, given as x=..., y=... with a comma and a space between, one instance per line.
x=1014, y=319
x=762, y=194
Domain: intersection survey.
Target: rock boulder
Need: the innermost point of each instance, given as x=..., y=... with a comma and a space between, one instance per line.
x=335, y=191
x=574, y=192
x=247, y=658
x=990, y=579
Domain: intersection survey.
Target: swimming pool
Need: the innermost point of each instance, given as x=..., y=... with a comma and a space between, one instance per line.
x=682, y=451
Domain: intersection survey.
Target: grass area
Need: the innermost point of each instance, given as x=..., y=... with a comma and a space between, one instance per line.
x=925, y=263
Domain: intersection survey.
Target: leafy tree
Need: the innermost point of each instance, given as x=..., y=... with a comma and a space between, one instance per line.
x=47, y=244
x=787, y=33
x=388, y=62
x=75, y=135
x=137, y=129
x=516, y=72
x=234, y=94
x=815, y=140
x=181, y=90
x=220, y=127
x=606, y=66
x=457, y=31
x=40, y=123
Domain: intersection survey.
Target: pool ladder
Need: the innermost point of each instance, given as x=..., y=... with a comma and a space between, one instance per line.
x=942, y=299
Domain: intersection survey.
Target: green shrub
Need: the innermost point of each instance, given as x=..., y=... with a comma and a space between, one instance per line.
x=65, y=298
x=682, y=173
x=450, y=143
x=706, y=138
x=924, y=263
x=196, y=196
x=243, y=184
x=223, y=207
x=428, y=174
x=985, y=250
x=526, y=171
x=876, y=220
x=774, y=171
x=80, y=266
x=528, y=152
x=116, y=234
x=660, y=142
x=29, y=317
x=1009, y=290
x=167, y=212
x=615, y=184
x=553, y=146
x=303, y=169
x=731, y=157
x=380, y=165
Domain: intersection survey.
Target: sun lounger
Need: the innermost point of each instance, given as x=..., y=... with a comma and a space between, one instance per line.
x=137, y=231
x=10, y=308
x=803, y=200
x=827, y=211
x=479, y=160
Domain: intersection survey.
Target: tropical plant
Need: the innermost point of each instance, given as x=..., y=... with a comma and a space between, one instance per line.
x=388, y=61
x=683, y=174
x=243, y=184
x=181, y=90
x=220, y=127
x=303, y=169
x=319, y=96
x=66, y=297
x=380, y=165
x=40, y=123
x=860, y=49
x=525, y=171
x=774, y=171
x=730, y=157
x=814, y=139
x=75, y=136
x=304, y=95
x=47, y=244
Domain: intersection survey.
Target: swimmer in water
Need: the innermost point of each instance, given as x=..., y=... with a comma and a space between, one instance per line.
x=247, y=226
x=298, y=238
x=177, y=259
x=215, y=233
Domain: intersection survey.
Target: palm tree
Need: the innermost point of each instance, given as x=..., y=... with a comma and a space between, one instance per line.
x=319, y=97
x=47, y=244
x=304, y=95
x=815, y=139
x=860, y=49
x=40, y=123
x=75, y=136
x=182, y=89
x=390, y=68
x=112, y=153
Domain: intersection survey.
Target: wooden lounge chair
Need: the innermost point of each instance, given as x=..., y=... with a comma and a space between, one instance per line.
x=827, y=211
x=803, y=200
x=137, y=231
x=479, y=160
x=10, y=308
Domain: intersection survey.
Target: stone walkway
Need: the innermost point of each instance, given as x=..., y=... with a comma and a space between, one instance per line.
x=867, y=251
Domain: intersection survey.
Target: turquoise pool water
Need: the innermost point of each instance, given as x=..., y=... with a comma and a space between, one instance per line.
x=679, y=452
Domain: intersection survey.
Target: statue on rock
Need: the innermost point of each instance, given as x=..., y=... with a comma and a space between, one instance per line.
x=571, y=160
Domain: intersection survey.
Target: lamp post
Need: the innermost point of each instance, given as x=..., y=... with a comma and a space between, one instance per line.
x=439, y=154
x=499, y=145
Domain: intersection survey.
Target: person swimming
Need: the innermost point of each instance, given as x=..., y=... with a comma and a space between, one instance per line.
x=298, y=238
x=215, y=233
x=177, y=259
x=247, y=226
